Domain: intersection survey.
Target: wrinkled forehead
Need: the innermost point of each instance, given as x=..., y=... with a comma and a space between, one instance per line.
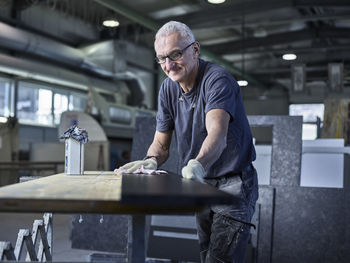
x=165, y=44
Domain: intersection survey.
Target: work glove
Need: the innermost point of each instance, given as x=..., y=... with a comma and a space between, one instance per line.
x=133, y=166
x=194, y=171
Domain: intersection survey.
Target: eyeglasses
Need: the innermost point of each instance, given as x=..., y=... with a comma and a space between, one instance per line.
x=173, y=56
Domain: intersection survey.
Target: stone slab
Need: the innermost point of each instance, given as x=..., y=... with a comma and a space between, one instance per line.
x=286, y=147
x=311, y=225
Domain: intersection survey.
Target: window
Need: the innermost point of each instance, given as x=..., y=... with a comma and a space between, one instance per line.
x=312, y=118
x=6, y=97
x=43, y=105
x=60, y=105
x=34, y=104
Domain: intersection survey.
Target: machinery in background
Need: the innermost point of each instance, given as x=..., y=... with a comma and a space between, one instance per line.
x=117, y=119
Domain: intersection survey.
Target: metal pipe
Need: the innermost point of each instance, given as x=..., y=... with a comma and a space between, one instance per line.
x=20, y=40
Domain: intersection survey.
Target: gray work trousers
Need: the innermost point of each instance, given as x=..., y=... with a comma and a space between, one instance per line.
x=224, y=230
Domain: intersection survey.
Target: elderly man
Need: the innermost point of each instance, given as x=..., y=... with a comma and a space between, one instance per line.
x=201, y=103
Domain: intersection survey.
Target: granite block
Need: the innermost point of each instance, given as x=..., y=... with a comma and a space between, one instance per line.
x=286, y=147
x=263, y=233
x=109, y=235
x=311, y=225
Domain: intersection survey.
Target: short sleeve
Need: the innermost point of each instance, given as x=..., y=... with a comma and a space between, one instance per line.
x=165, y=120
x=221, y=94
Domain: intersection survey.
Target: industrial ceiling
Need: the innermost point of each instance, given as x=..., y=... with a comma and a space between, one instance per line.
x=247, y=37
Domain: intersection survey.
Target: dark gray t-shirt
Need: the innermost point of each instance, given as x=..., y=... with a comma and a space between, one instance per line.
x=185, y=113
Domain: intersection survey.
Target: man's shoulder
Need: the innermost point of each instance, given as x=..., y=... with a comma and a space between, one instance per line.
x=215, y=70
x=216, y=76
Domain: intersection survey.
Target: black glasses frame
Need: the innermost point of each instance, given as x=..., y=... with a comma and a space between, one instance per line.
x=177, y=53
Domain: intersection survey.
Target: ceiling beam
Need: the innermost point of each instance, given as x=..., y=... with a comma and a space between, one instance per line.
x=229, y=12
x=154, y=26
x=234, y=47
x=321, y=3
x=232, y=14
x=311, y=49
x=269, y=22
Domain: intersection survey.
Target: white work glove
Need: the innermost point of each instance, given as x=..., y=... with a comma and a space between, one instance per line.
x=193, y=170
x=133, y=166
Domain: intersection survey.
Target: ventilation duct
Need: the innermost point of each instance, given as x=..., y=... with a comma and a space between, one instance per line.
x=16, y=39
x=51, y=74
x=90, y=58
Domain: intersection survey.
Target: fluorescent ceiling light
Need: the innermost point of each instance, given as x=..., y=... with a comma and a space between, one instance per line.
x=216, y=2
x=242, y=83
x=289, y=56
x=111, y=23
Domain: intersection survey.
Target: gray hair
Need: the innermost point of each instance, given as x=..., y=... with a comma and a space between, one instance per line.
x=176, y=27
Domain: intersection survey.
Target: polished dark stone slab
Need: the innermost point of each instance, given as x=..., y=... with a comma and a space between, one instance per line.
x=168, y=192
x=264, y=220
x=311, y=225
x=110, y=235
x=286, y=147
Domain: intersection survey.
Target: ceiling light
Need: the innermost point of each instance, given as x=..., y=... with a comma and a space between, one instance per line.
x=289, y=56
x=216, y=2
x=111, y=23
x=242, y=83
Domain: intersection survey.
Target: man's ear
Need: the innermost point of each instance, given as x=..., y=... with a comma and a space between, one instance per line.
x=196, y=47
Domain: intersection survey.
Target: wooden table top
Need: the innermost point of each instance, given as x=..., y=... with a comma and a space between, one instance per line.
x=106, y=192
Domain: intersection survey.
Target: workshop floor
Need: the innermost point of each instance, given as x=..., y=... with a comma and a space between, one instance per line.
x=10, y=223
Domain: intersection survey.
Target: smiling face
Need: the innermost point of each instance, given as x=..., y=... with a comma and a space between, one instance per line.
x=184, y=69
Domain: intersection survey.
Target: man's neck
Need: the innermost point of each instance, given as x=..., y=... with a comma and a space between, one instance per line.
x=188, y=84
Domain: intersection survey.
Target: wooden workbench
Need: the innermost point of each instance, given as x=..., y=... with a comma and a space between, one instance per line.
x=106, y=192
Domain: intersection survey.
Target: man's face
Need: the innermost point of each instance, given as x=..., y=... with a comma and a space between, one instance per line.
x=181, y=69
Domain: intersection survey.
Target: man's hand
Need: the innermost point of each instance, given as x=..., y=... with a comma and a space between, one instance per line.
x=193, y=170
x=150, y=164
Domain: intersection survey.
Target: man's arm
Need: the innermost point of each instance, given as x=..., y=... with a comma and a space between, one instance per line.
x=216, y=122
x=160, y=146
x=159, y=150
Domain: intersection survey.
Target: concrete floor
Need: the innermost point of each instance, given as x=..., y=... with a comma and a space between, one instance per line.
x=10, y=223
